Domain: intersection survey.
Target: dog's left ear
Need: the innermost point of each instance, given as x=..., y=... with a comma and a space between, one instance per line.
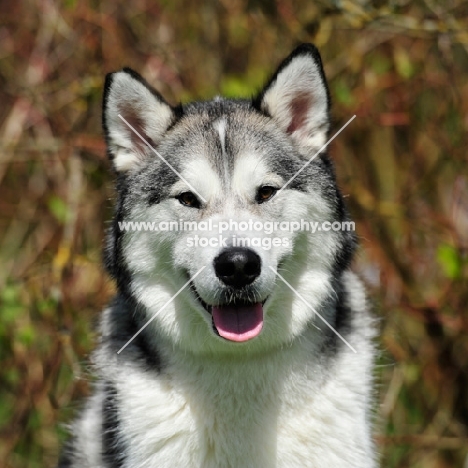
x=297, y=98
x=135, y=118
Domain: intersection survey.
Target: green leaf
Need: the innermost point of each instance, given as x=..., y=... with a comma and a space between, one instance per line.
x=403, y=64
x=449, y=260
x=26, y=335
x=343, y=93
x=233, y=86
x=58, y=208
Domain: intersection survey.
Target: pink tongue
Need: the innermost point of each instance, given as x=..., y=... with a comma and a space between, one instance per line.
x=238, y=323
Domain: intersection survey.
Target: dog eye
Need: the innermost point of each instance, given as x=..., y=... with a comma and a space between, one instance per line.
x=188, y=199
x=265, y=193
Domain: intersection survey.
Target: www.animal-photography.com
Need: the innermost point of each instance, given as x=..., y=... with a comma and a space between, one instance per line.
x=234, y=234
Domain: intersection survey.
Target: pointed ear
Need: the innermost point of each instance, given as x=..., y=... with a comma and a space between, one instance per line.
x=128, y=96
x=297, y=98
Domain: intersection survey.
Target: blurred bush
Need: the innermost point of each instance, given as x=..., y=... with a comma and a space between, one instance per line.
x=400, y=66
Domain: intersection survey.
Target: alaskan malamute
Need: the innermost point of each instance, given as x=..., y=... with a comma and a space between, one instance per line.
x=239, y=337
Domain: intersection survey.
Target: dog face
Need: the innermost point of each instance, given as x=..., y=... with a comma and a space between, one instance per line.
x=218, y=169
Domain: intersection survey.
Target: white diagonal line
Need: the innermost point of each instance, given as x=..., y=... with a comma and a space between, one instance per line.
x=157, y=154
x=313, y=310
x=316, y=154
x=160, y=310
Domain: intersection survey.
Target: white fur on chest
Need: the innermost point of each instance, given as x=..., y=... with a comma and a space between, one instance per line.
x=280, y=410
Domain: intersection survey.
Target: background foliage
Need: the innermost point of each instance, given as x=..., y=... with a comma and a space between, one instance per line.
x=400, y=66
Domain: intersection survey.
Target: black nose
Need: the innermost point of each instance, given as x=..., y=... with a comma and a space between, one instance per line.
x=237, y=266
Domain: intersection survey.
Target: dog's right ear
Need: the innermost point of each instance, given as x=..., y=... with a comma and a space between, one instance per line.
x=133, y=112
x=297, y=98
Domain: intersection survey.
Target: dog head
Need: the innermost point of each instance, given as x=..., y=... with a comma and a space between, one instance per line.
x=218, y=185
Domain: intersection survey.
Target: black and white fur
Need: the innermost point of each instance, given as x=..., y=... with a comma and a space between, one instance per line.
x=180, y=395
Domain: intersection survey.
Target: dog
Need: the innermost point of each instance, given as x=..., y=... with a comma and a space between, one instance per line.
x=215, y=352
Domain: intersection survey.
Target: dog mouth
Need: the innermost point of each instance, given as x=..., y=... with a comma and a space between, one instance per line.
x=237, y=321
